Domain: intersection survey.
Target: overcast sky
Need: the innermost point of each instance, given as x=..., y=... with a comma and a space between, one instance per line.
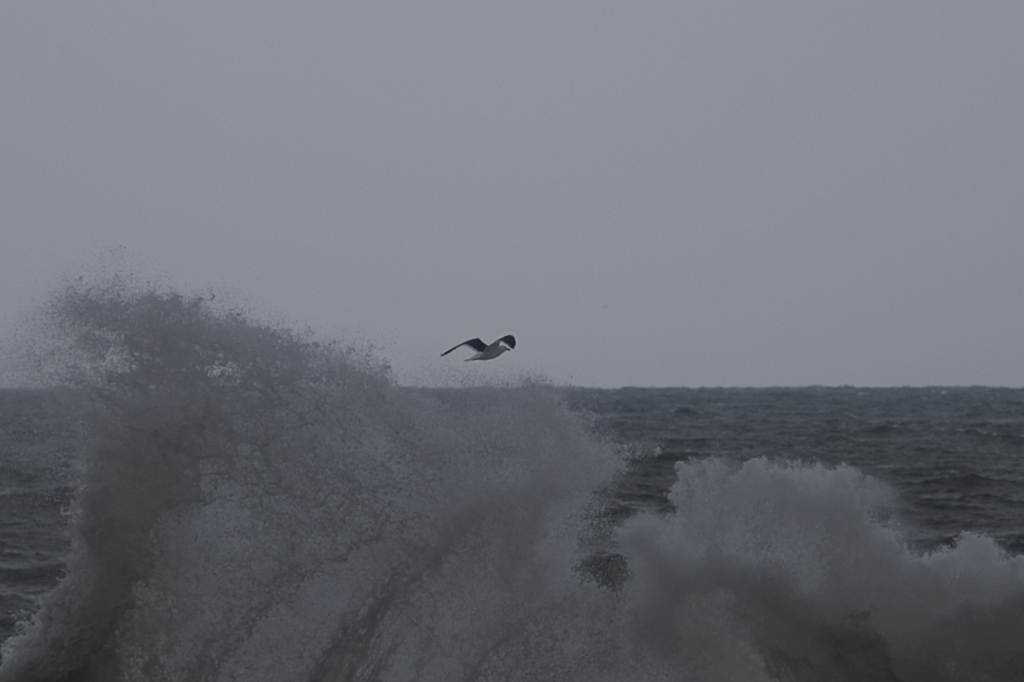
x=690, y=193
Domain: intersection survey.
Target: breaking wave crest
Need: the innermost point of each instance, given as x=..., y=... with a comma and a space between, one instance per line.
x=254, y=504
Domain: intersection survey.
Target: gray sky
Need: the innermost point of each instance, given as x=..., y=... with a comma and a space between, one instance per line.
x=714, y=192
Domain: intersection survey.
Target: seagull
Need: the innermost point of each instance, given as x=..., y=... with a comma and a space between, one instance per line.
x=483, y=351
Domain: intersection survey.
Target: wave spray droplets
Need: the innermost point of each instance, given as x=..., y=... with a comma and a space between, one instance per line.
x=254, y=505
x=258, y=506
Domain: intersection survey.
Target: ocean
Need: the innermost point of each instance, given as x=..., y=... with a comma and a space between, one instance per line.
x=195, y=495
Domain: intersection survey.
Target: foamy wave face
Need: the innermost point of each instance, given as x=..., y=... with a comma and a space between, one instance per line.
x=255, y=505
x=803, y=570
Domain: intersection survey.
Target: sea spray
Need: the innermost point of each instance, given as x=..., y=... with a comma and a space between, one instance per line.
x=255, y=504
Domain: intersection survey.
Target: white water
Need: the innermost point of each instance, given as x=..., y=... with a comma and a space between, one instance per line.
x=259, y=506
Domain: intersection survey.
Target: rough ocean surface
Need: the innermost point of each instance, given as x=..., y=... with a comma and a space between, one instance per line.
x=199, y=496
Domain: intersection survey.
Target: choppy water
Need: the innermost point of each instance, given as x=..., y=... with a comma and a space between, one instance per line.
x=211, y=498
x=955, y=455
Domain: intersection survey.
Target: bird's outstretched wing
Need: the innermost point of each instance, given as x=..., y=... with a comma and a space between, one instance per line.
x=509, y=341
x=476, y=344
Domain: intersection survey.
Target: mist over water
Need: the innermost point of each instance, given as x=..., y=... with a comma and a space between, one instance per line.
x=256, y=504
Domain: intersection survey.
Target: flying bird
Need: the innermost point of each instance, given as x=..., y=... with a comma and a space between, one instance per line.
x=484, y=351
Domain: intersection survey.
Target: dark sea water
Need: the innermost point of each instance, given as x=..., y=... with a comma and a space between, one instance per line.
x=198, y=496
